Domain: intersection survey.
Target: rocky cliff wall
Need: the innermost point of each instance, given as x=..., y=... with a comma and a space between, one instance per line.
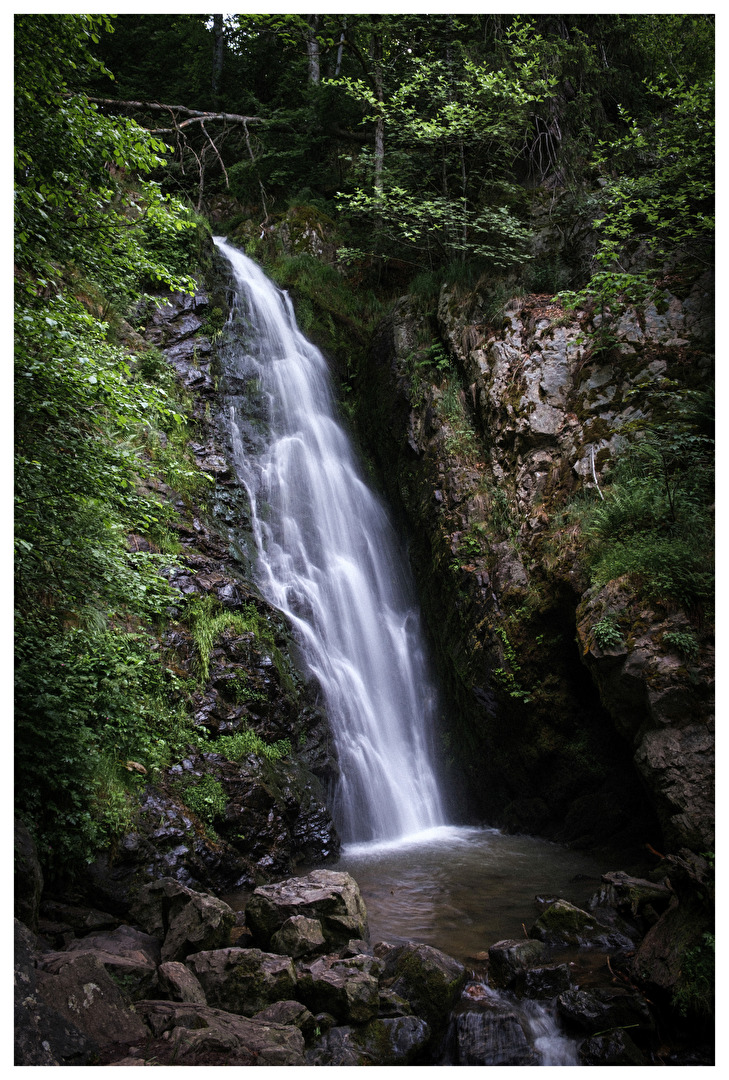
x=486, y=427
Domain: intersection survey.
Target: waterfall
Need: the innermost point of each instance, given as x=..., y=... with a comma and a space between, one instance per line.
x=329, y=558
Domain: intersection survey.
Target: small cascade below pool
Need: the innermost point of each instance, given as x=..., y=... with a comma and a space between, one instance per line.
x=329, y=558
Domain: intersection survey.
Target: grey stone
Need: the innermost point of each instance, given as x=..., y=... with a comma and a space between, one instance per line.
x=186, y=921
x=298, y=936
x=243, y=980
x=330, y=897
x=199, y=1031
x=179, y=983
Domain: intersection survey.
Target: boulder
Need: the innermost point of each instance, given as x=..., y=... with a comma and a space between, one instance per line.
x=179, y=984
x=613, y=1048
x=508, y=958
x=337, y=1046
x=396, y=1041
x=428, y=979
x=490, y=1037
x=564, y=924
x=243, y=980
x=290, y=1012
x=186, y=921
x=340, y=988
x=59, y=923
x=659, y=962
x=131, y=956
x=42, y=1035
x=298, y=936
x=330, y=897
x=543, y=982
x=84, y=994
x=602, y=1008
x=198, y=1034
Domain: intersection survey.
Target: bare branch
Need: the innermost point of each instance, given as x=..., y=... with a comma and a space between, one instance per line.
x=196, y=114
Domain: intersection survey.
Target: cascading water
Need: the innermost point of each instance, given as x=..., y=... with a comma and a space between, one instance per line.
x=329, y=558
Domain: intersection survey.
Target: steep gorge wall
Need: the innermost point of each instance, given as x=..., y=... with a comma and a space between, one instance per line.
x=483, y=432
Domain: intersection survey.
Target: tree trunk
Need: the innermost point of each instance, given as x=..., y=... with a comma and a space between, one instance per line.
x=312, y=50
x=217, y=55
x=380, y=123
x=340, y=50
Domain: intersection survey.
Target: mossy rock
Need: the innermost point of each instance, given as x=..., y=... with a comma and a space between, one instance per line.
x=427, y=978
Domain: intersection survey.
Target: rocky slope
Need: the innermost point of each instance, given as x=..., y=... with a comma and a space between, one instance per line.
x=229, y=814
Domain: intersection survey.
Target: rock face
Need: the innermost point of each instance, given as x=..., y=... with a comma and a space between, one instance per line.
x=485, y=421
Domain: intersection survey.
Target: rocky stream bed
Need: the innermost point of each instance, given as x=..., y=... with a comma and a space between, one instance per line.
x=295, y=980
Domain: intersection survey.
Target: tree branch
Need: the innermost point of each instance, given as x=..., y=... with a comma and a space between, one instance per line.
x=196, y=114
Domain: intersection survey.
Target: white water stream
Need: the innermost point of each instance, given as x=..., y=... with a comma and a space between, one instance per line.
x=329, y=558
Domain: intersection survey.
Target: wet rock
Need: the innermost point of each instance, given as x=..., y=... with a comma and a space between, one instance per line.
x=508, y=958
x=337, y=1046
x=490, y=1037
x=330, y=897
x=298, y=936
x=179, y=984
x=613, y=1048
x=340, y=988
x=563, y=923
x=428, y=979
x=600, y=1009
x=168, y=842
x=292, y=1013
x=199, y=1034
x=632, y=904
x=243, y=980
x=397, y=1041
x=543, y=982
x=182, y=919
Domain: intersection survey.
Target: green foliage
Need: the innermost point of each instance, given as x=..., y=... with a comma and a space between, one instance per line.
x=656, y=521
x=238, y=746
x=506, y=678
x=461, y=436
x=206, y=798
x=208, y=621
x=95, y=708
x=88, y=701
x=663, y=196
x=694, y=993
x=683, y=641
x=607, y=632
x=80, y=196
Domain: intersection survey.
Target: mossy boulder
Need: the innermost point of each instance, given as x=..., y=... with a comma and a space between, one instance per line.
x=340, y=988
x=428, y=979
x=508, y=958
x=243, y=981
x=564, y=924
